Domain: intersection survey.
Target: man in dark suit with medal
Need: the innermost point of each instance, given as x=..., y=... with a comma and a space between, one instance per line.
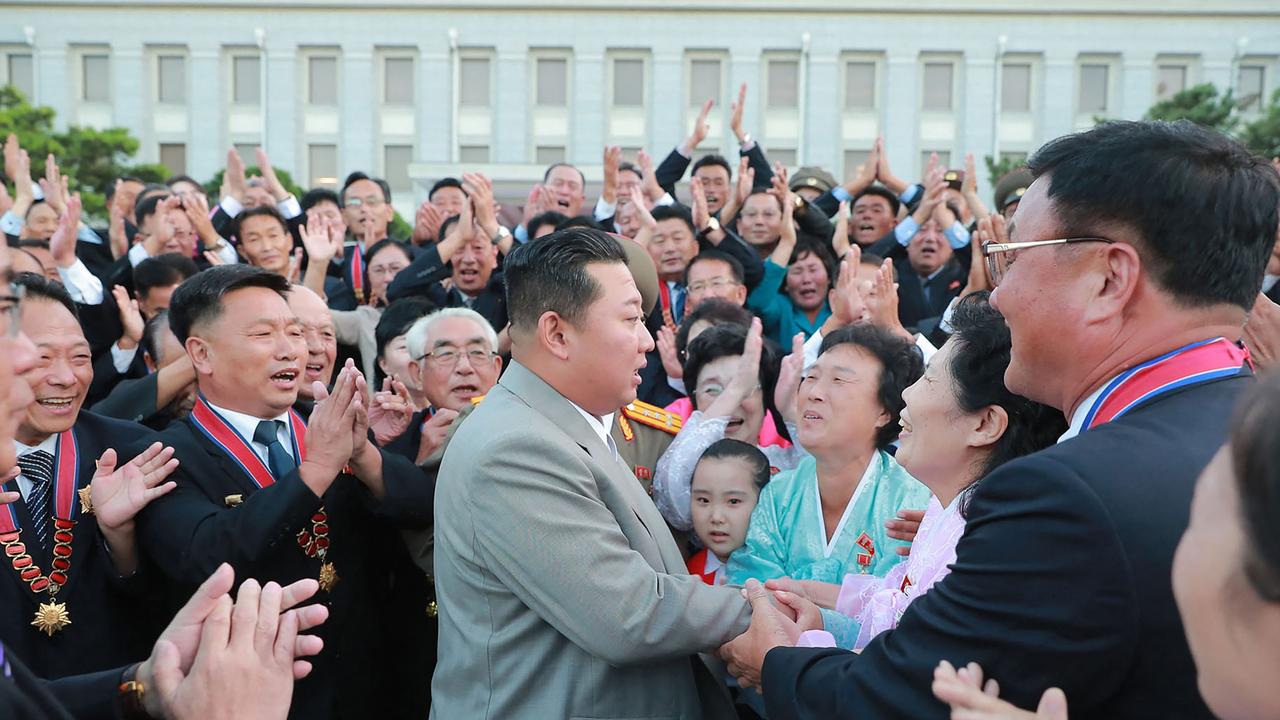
x=277, y=498
x=75, y=595
x=1062, y=577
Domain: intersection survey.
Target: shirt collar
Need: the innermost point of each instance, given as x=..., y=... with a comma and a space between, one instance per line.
x=1269, y=281
x=247, y=425
x=713, y=563
x=599, y=425
x=48, y=445
x=1082, y=411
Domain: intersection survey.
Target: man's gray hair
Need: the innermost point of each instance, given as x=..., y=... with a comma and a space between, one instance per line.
x=416, y=339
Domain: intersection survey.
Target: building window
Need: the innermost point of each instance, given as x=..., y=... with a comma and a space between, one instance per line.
x=21, y=74
x=474, y=83
x=1015, y=87
x=246, y=87
x=782, y=81
x=322, y=162
x=395, y=166
x=1170, y=80
x=1250, y=87
x=397, y=81
x=549, y=154
x=938, y=81
x=854, y=158
x=859, y=85
x=96, y=77
x=473, y=154
x=1094, y=87
x=247, y=153
x=785, y=156
x=171, y=79
x=628, y=82
x=322, y=80
x=944, y=158
x=552, y=78
x=174, y=157
x=704, y=81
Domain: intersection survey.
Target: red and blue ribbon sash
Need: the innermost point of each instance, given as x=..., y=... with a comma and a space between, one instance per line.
x=1193, y=364
x=355, y=276
x=66, y=481
x=221, y=433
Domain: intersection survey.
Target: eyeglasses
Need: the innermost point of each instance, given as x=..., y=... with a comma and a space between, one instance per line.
x=11, y=310
x=1000, y=256
x=448, y=357
x=371, y=201
x=714, y=284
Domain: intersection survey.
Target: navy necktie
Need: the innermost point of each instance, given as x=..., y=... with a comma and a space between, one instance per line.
x=38, y=468
x=279, y=461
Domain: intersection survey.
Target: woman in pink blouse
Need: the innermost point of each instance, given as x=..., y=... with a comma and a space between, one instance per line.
x=960, y=423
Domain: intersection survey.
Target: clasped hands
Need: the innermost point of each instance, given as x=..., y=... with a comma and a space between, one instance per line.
x=338, y=434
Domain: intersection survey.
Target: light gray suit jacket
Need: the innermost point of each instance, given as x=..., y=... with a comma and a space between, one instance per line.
x=561, y=591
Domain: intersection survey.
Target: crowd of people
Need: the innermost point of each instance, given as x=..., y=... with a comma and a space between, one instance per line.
x=760, y=444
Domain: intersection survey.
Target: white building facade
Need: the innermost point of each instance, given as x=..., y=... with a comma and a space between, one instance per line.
x=414, y=91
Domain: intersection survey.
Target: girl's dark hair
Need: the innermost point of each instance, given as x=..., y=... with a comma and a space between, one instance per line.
x=730, y=449
x=900, y=366
x=396, y=320
x=978, y=362
x=714, y=311
x=378, y=247
x=1255, y=459
x=726, y=341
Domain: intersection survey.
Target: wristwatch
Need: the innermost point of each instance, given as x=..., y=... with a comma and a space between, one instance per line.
x=130, y=696
x=502, y=234
x=746, y=140
x=712, y=226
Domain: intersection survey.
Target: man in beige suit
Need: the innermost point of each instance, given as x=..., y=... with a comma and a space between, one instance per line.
x=561, y=591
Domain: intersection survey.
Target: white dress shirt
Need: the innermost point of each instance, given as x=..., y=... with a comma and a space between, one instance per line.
x=246, y=425
x=600, y=426
x=49, y=445
x=1082, y=410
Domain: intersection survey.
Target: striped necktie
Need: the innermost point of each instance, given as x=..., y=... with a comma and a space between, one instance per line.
x=37, y=467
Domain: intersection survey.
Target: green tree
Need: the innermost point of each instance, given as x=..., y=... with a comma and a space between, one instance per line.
x=91, y=159
x=997, y=169
x=213, y=188
x=1262, y=136
x=1201, y=105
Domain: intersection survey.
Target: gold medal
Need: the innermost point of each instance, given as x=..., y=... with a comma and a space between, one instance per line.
x=51, y=617
x=328, y=576
x=86, y=501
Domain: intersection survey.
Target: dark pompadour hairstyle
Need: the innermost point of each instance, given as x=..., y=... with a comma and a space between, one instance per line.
x=162, y=271
x=881, y=192
x=730, y=449
x=900, y=366
x=1204, y=209
x=40, y=287
x=199, y=299
x=674, y=212
x=550, y=274
x=712, y=160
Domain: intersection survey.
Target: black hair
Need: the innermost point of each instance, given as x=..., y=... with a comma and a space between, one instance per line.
x=550, y=275
x=1256, y=464
x=547, y=175
x=395, y=321
x=110, y=192
x=883, y=192
x=162, y=271
x=726, y=341
x=714, y=311
x=199, y=298
x=315, y=196
x=710, y=254
x=809, y=245
x=151, y=335
x=675, y=212
x=730, y=449
x=259, y=211
x=447, y=225
x=448, y=182
x=631, y=168
x=550, y=217
x=378, y=247
x=182, y=178
x=40, y=287
x=357, y=176
x=1204, y=209
x=146, y=208
x=712, y=160
x=979, y=358
x=900, y=366
x=578, y=221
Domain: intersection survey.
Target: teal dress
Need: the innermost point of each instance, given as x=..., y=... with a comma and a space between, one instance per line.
x=787, y=536
x=780, y=319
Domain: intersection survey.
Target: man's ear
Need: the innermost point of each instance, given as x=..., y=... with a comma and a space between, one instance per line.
x=553, y=333
x=201, y=354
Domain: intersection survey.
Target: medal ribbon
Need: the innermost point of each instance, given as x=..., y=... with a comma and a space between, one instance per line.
x=66, y=479
x=356, y=274
x=1193, y=364
x=218, y=430
x=664, y=296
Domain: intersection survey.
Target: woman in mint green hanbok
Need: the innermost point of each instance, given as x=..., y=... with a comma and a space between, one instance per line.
x=826, y=518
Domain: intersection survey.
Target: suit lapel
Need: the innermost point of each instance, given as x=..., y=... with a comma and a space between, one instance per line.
x=226, y=465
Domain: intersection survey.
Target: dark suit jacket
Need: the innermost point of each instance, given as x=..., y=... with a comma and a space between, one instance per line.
x=674, y=166
x=1274, y=294
x=190, y=531
x=914, y=308
x=1062, y=578
x=26, y=696
x=491, y=302
x=113, y=620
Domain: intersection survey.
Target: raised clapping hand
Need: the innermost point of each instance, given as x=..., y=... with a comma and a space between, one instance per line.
x=434, y=432
x=746, y=377
x=120, y=493
x=330, y=430
x=222, y=660
x=971, y=699
x=790, y=373
x=426, y=223
x=667, y=351
x=62, y=244
x=391, y=411
x=700, y=126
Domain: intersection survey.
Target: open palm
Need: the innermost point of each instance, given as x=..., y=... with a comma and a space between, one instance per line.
x=120, y=493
